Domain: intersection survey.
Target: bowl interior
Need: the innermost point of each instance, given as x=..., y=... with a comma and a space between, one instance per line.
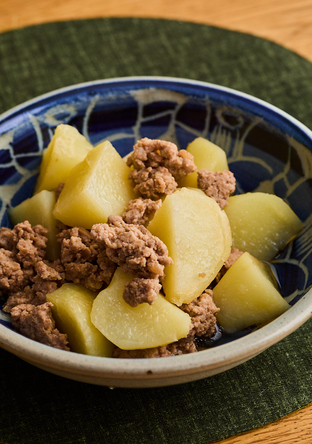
x=266, y=149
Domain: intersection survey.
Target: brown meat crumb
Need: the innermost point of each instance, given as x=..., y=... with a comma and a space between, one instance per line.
x=132, y=247
x=153, y=182
x=11, y=274
x=202, y=311
x=160, y=153
x=217, y=185
x=83, y=261
x=36, y=322
x=24, y=267
x=140, y=211
x=34, y=294
x=141, y=290
x=59, y=189
x=7, y=238
x=157, y=166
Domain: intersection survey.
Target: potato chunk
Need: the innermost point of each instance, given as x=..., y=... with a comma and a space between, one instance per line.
x=96, y=188
x=207, y=156
x=144, y=326
x=246, y=295
x=67, y=148
x=198, y=237
x=38, y=210
x=72, y=304
x=261, y=224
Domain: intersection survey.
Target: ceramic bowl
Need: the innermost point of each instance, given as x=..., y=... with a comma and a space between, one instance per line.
x=267, y=150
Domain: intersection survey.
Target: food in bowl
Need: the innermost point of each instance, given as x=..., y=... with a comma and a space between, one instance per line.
x=103, y=286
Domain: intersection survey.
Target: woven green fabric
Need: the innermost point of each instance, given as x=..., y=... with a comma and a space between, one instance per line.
x=37, y=407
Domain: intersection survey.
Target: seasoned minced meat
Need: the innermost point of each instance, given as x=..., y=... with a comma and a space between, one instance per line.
x=153, y=182
x=30, y=276
x=160, y=153
x=181, y=347
x=11, y=274
x=30, y=242
x=140, y=211
x=59, y=190
x=202, y=311
x=45, y=281
x=34, y=294
x=141, y=290
x=7, y=238
x=83, y=261
x=36, y=322
x=234, y=255
x=217, y=185
x=132, y=247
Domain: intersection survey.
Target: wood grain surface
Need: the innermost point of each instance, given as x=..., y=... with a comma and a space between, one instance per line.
x=286, y=22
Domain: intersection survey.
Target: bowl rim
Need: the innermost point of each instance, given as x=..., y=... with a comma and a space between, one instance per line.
x=238, y=350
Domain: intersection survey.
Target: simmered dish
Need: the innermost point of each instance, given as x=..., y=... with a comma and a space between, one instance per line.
x=140, y=257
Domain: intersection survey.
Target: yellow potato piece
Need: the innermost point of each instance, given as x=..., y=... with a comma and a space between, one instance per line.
x=72, y=304
x=144, y=326
x=198, y=236
x=261, y=224
x=247, y=296
x=38, y=210
x=207, y=156
x=66, y=149
x=96, y=188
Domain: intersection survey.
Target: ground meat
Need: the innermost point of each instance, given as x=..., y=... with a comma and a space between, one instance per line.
x=202, y=311
x=181, y=347
x=160, y=153
x=59, y=190
x=153, y=182
x=234, y=255
x=21, y=256
x=132, y=247
x=36, y=322
x=7, y=238
x=140, y=211
x=141, y=290
x=11, y=274
x=157, y=166
x=30, y=242
x=217, y=185
x=34, y=295
x=83, y=262
x=25, y=277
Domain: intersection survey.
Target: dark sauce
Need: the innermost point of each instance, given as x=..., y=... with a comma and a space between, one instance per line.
x=206, y=342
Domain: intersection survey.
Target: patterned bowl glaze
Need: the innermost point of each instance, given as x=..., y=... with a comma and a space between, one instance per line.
x=267, y=150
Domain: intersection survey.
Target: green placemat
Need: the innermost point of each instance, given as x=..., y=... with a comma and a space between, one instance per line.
x=37, y=407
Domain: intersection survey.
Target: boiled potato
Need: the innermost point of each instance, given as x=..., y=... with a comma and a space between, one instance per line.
x=96, y=188
x=207, y=156
x=66, y=149
x=198, y=236
x=261, y=224
x=144, y=326
x=38, y=210
x=246, y=295
x=72, y=304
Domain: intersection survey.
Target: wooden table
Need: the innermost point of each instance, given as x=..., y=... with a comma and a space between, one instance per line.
x=286, y=22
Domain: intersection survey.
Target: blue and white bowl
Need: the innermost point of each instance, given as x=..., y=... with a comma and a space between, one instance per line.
x=267, y=150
